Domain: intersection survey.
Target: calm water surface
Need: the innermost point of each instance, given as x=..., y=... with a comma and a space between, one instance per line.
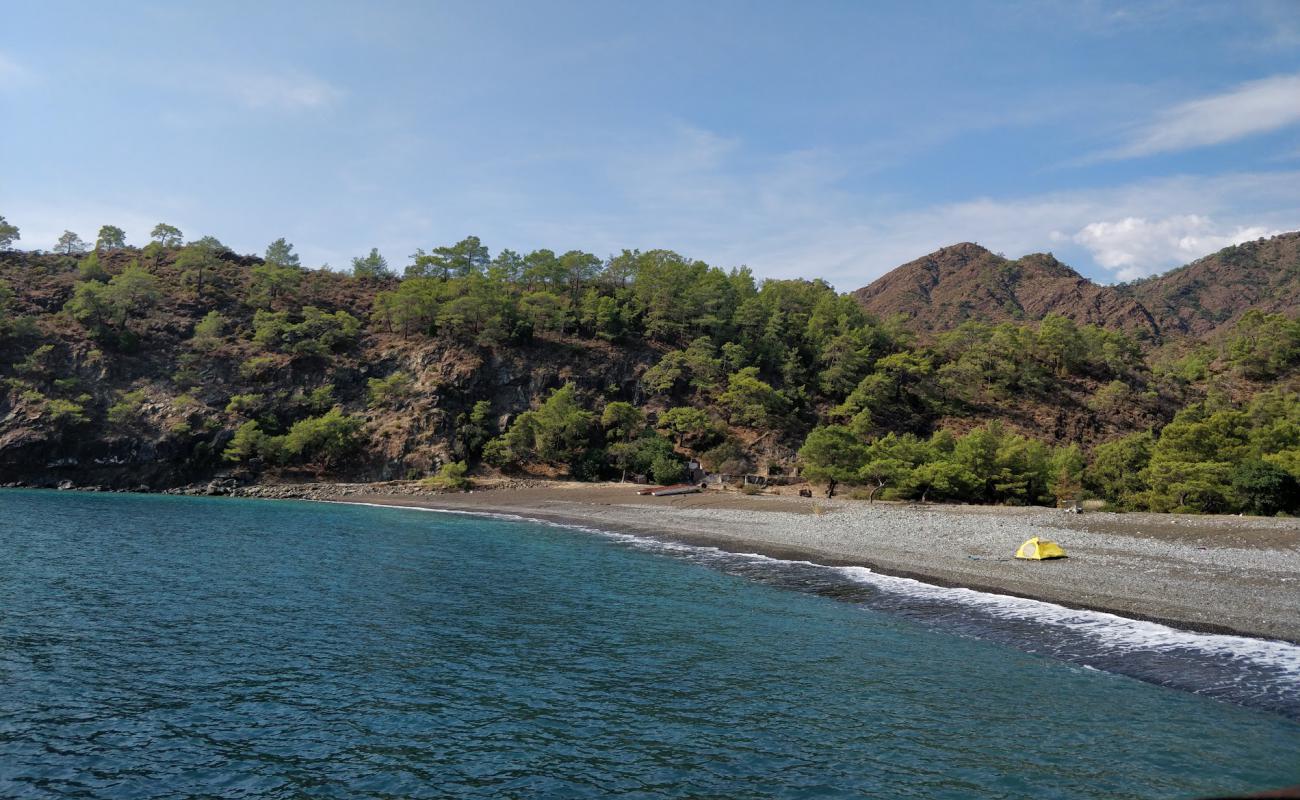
x=183, y=647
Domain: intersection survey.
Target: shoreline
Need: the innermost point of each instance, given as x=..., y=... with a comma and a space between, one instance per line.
x=1225, y=575
x=1219, y=575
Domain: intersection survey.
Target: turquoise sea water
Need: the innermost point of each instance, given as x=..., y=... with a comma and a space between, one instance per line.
x=182, y=647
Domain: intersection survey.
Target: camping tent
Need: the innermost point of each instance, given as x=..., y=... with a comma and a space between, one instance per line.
x=1038, y=549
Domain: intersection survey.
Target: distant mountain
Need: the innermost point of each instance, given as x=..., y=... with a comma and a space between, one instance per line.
x=1197, y=299
x=967, y=282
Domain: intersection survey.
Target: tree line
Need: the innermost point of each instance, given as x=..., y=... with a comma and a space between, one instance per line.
x=739, y=369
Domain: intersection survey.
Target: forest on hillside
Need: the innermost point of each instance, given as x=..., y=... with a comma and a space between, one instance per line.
x=182, y=362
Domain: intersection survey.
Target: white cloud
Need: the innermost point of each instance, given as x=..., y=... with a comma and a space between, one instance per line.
x=1247, y=110
x=790, y=217
x=1135, y=247
x=12, y=74
x=253, y=90
x=288, y=92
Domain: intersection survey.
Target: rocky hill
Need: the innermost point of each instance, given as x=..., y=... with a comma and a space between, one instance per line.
x=1212, y=292
x=177, y=364
x=967, y=282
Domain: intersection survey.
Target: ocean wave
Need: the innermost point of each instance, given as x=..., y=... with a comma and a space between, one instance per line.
x=1254, y=672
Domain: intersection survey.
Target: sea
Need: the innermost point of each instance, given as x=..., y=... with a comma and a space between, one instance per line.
x=176, y=647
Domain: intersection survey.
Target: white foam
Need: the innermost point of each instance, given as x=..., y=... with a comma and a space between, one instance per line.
x=1124, y=633
x=1110, y=630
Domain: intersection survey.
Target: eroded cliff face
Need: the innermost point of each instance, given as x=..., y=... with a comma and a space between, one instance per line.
x=151, y=408
x=173, y=439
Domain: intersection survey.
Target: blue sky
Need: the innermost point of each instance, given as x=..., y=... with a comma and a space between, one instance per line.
x=815, y=139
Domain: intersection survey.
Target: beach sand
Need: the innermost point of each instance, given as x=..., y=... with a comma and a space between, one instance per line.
x=1208, y=573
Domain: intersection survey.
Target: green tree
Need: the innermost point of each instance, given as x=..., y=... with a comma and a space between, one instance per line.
x=411, y=307
x=212, y=244
x=691, y=427
x=1067, y=465
x=391, y=390
x=1117, y=469
x=196, y=264
x=8, y=234
x=466, y=257
x=372, y=266
x=323, y=440
x=451, y=476
x=622, y=421
x=110, y=237
x=165, y=235
x=318, y=334
x=1264, y=488
x=134, y=289
x=750, y=401
x=92, y=305
x=475, y=429
x=945, y=479
x=1192, y=460
x=249, y=442
x=280, y=253
x=127, y=411
x=89, y=269
x=70, y=244
x=272, y=284
x=558, y=432
x=833, y=454
x=890, y=461
x=209, y=330
x=667, y=468
x=1264, y=346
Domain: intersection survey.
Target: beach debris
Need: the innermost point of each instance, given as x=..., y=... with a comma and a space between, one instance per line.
x=1036, y=549
x=668, y=491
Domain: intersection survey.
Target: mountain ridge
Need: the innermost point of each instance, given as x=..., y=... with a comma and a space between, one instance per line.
x=965, y=281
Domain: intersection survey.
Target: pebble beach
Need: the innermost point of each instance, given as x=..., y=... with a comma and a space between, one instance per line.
x=1215, y=574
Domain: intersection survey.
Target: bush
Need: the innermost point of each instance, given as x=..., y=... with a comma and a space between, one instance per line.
x=245, y=404
x=64, y=412
x=249, y=442
x=728, y=458
x=667, y=469
x=450, y=477
x=391, y=390
x=325, y=439
x=258, y=367
x=1265, y=489
x=126, y=411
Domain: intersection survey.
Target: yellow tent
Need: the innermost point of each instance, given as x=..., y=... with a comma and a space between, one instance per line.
x=1039, y=549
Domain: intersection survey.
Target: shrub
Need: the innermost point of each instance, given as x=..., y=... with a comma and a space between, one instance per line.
x=257, y=367
x=245, y=404
x=667, y=469
x=64, y=412
x=450, y=477
x=126, y=411
x=391, y=390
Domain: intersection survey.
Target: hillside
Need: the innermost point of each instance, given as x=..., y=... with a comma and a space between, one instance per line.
x=967, y=282
x=181, y=364
x=1202, y=297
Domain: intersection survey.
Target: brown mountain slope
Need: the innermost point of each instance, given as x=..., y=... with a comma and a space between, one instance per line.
x=1196, y=299
x=967, y=282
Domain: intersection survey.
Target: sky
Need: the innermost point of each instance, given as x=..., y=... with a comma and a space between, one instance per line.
x=802, y=139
